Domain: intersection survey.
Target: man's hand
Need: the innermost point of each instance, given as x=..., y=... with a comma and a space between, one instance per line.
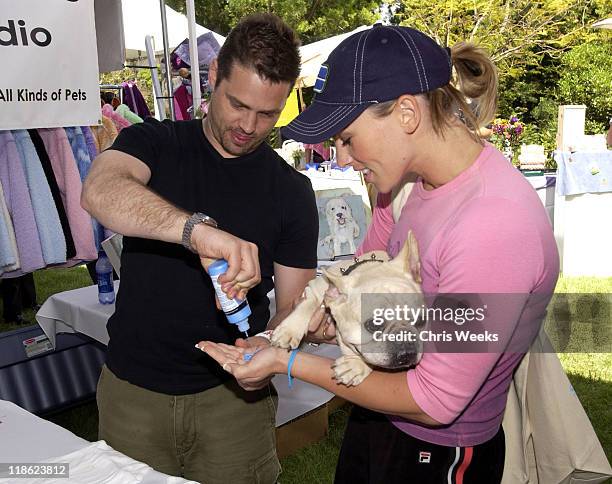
x=250, y=375
x=242, y=257
x=253, y=343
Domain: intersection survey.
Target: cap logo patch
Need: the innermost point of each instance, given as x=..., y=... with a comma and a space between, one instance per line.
x=321, y=79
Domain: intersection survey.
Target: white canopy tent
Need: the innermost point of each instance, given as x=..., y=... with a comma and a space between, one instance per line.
x=313, y=55
x=123, y=28
x=603, y=24
x=142, y=18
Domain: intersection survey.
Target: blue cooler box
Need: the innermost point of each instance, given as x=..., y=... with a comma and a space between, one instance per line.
x=42, y=379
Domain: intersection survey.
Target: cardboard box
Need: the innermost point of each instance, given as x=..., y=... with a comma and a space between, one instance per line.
x=305, y=430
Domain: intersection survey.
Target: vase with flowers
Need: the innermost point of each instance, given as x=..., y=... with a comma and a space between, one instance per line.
x=506, y=136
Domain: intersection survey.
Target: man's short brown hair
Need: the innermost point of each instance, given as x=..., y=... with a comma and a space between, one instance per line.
x=264, y=43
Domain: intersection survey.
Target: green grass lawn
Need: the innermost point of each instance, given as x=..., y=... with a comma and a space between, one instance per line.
x=52, y=281
x=589, y=373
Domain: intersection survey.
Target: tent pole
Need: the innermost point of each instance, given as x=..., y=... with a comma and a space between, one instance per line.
x=162, y=5
x=160, y=106
x=193, y=58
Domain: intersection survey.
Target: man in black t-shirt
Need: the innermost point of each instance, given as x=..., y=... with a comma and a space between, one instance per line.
x=164, y=185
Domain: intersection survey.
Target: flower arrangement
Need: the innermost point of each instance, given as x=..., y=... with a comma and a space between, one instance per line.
x=506, y=136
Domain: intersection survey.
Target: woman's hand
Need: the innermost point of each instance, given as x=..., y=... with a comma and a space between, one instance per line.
x=253, y=374
x=254, y=343
x=321, y=328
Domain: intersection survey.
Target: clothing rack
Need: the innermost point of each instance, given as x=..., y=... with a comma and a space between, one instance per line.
x=113, y=87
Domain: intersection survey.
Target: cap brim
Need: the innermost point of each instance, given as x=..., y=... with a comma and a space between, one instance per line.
x=321, y=121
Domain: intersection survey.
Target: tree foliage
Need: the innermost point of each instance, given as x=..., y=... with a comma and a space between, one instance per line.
x=312, y=19
x=586, y=78
x=528, y=41
x=518, y=34
x=546, y=51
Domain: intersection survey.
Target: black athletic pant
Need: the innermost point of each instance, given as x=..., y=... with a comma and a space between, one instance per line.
x=18, y=293
x=374, y=451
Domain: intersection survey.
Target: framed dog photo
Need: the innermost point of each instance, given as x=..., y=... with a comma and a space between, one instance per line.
x=343, y=221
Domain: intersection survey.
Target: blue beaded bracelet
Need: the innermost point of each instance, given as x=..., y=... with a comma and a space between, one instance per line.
x=289, y=365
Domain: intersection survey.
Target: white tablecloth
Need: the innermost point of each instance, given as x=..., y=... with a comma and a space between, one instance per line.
x=79, y=311
x=76, y=311
x=26, y=438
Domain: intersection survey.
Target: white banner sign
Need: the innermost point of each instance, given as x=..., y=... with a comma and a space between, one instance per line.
x=49, y=59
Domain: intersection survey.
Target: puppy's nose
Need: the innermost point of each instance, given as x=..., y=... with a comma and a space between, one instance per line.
x=408, y=357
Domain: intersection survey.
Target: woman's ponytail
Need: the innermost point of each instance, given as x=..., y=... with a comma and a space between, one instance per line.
x=472, y=93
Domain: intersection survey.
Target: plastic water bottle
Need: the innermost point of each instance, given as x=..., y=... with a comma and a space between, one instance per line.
x=104, y=275
x=236, y=310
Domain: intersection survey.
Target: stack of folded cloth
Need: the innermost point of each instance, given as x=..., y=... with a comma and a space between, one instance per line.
x=98, y=463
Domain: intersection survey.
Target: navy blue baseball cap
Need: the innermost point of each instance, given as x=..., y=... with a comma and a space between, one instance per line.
x=372, y=66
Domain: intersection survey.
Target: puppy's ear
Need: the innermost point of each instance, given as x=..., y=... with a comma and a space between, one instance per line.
x=408, y=259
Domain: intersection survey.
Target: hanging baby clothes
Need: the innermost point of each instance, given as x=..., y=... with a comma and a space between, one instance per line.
x=131, y=117
x=178, y=115
x=90, y=141
x=104, y=134
x=134, y=99
x=52, y=239
x=119, y=121
x=69, y=182
x=78, y=145
x=9, y=256
x=81, y=155
x=19, y=204
x=55, y=191
x=183, y=99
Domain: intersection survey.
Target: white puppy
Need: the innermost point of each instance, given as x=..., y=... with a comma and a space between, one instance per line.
x=364, y=341
x=342, y=227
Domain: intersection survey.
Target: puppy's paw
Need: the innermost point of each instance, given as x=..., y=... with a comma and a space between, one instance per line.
x=351, y=370
x=287, y=336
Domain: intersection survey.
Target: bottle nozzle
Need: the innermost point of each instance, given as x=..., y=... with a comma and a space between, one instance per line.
x=244, y=326
x=246, y=334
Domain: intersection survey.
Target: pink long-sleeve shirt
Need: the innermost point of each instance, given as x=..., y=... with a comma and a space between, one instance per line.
x=484, y=232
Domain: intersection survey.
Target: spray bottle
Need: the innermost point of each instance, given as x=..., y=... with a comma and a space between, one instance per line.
x=236, y=311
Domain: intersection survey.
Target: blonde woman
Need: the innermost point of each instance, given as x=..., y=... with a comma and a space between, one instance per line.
x=398, y=103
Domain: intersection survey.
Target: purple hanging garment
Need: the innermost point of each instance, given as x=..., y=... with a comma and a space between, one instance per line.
x=19, y=204
x=134, y=99
x=91, y=144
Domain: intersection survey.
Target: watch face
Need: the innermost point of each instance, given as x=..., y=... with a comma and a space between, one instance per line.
x=209, y=221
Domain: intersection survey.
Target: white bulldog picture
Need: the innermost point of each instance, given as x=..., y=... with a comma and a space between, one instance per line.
x=340, y=289
x=343, y=229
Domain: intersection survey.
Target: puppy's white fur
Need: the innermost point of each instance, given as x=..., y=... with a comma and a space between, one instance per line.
x=342, y=295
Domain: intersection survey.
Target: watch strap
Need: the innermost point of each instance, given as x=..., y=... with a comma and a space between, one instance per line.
x=195, y=219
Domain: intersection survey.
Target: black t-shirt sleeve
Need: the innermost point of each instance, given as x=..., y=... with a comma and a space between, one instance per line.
x=297, y=246
x=144, y=141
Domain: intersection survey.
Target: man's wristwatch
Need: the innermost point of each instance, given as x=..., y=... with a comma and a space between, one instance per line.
x=195, y=219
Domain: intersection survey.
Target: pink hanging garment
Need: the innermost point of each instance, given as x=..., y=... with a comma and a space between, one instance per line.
x=69, y=183
x=119, y=121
